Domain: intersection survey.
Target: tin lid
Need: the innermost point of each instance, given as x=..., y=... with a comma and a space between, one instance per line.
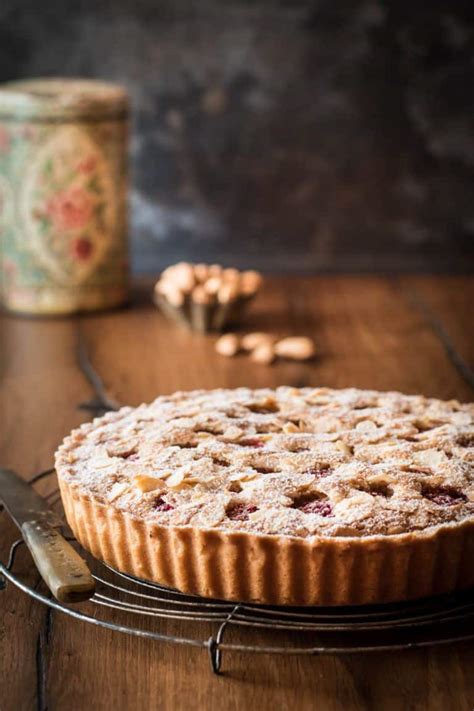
x=60, y=99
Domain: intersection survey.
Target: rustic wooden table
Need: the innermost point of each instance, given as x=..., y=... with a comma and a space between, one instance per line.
x=408, y=333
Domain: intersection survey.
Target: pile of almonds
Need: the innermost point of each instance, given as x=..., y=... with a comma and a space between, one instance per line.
x=265, y=347
x=205, y=297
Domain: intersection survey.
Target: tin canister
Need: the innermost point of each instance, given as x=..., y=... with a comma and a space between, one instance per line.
x=63, y=180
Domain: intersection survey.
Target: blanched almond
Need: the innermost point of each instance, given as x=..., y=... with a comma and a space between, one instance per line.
x=200, y=295
x=175, y=297
x=183, y=277
x=255, y=339
x=231, y=274
x=228, y=292
x=295, y=348
x=170, y=291
x=263, y=354
x=213, y=284
x=180, y=276
x=228, y=345
x=201, y=272
x=215, y=270
x=251, y=282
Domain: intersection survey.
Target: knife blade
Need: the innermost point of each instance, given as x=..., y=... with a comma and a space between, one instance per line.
x=61, y=567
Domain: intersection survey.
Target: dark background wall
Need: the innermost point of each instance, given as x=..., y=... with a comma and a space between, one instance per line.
x=284, y=135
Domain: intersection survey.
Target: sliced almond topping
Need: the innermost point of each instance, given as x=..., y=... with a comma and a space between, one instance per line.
x=102, y=463
x=122, y=448
x=245, y=475
x=148, y=483
x=430, y=458
x=343, y=447
x=269, y=404
x=203, y=435
x=162, y=474
x=290, y=427
x=176, y=479
x=233, y=433
x=366, y=426
x=117, y=490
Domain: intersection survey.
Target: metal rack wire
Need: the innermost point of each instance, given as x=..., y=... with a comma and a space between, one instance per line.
x=136, y=607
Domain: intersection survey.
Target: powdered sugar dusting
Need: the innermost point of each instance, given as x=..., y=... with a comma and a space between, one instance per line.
x=289, y=461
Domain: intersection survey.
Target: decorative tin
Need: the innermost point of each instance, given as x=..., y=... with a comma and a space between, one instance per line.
x=63, y=228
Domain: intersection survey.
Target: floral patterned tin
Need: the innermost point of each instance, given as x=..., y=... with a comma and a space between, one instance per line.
x=63, y=227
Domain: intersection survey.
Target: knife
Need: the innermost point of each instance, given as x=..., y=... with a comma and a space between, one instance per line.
x=63, y=570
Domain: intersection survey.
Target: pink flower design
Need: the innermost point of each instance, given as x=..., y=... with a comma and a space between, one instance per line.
x=81, y=249
x=4, y=140
x=70, y=209
x=86, y=166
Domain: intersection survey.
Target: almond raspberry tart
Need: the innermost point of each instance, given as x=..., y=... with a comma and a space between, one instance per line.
x=284, y=497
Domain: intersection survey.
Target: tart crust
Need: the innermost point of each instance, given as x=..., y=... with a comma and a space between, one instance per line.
x=231, y=561
x=276, y=570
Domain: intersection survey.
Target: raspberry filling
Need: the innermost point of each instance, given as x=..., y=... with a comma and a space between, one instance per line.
x=162, y=505
x=319, y=471
x=322, y=507
x=241, y=512
x=444, y=496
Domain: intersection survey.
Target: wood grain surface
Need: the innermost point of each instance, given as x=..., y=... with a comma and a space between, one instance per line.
x=409, y=333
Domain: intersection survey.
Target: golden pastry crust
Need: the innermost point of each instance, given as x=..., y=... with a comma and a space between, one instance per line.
x=292, y=496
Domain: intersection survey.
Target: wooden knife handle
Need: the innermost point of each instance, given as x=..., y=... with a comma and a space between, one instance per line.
x=61, y=567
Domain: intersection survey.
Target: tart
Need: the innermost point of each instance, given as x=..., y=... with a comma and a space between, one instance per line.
x=284, y=497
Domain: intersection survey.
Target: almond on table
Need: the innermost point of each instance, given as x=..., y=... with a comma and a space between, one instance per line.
x=255, y=339
x=264, y=354
x=228, y=345
x=295, y=348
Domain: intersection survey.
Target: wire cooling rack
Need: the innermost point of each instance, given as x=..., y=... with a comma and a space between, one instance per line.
x=136, y=607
